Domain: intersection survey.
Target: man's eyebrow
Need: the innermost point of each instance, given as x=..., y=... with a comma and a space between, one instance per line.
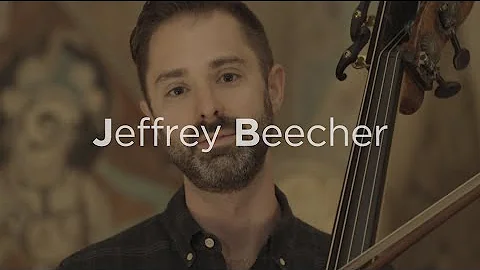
x=180, y=72
x=226, y=60
x=174, y=73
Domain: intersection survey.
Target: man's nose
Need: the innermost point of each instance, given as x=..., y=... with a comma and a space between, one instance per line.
x=209, y=107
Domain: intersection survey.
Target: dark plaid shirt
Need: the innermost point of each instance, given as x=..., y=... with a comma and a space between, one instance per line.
x=172, y=240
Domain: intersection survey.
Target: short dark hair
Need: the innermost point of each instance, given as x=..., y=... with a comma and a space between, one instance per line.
x=154, y=13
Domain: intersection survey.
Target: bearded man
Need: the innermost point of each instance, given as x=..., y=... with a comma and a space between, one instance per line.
x=207, y=64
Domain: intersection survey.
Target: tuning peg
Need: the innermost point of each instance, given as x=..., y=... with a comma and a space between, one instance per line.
x=370, y=21
x=360, y=63
x=448, y=21
x=350, y=55
x=446, y=89
x=461, y=59
x=358, y=19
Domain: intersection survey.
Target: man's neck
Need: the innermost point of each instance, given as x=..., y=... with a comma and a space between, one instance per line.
x=242, y=220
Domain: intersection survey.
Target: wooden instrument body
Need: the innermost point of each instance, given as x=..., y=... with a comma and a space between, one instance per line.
x=404, y=50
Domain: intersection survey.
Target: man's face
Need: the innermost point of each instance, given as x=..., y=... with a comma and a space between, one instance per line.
x=203, y=73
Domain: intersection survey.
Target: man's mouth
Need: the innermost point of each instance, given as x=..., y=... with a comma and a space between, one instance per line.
x=203, y=139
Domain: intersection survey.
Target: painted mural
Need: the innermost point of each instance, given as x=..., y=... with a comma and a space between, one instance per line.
x=59, y=192
x=51, y=102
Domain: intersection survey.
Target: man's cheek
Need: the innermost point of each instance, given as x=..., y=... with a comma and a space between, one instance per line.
x=171, y=134
x=186, y=135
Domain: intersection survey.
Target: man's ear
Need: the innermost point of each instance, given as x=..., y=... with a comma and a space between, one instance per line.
x=146, y=109
x=276, y=86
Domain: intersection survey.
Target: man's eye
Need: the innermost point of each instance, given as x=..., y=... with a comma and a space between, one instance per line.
x=176, y=91
x=229, y=77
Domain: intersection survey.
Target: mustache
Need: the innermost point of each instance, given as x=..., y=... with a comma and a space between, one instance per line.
x=211, y=127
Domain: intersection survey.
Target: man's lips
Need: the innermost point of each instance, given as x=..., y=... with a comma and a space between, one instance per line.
x=203, y=139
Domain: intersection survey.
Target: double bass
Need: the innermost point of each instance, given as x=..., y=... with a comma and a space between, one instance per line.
x=405, y=47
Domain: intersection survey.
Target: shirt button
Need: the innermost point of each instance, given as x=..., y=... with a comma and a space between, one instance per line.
x=189, y=256
x=209, y=242
x=282, y=262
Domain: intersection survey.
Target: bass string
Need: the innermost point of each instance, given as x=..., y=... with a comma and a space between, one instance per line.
x=329, y=260
x=393, y=42
x=397, y=39
x=381, y=145
x=391, y=46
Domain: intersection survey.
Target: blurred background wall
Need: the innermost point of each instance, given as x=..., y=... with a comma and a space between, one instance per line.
x=58, y=194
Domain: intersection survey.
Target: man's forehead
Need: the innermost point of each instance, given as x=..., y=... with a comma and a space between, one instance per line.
x=189, y=20
x=190, y=40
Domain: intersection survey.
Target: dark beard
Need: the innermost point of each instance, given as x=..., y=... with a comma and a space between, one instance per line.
x=224, y=169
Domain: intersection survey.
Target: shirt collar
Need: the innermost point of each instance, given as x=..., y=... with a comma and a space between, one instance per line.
x=281, y=240
x=181, y=225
